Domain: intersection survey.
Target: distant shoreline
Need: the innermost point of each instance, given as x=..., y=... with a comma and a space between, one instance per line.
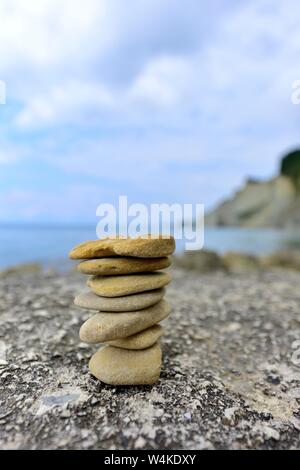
x=50, y=244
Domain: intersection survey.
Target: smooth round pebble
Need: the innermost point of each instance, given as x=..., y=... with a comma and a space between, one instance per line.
x=114, y=266
x=127, y=303
x=117, y=366
x=116, y=286
x=143, y=339
x=103, y=327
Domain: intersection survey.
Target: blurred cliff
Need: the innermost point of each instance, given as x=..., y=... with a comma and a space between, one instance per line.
x=272, y=203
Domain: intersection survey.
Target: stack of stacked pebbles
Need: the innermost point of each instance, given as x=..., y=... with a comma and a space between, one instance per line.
x=126, y=291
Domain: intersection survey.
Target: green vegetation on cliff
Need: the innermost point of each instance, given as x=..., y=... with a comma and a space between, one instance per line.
x=290, y=166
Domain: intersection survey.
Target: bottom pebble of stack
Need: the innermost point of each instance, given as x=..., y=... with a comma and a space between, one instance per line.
x=116, y=366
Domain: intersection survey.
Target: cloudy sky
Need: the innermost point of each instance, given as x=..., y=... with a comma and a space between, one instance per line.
x=161, y=100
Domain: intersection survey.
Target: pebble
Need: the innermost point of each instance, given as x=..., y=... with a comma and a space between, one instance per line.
x=110, y=326
x=116, y=366
x=114, y=266
x=116, y=286
x=127, y=303
x=143, y=339
x=137, y=247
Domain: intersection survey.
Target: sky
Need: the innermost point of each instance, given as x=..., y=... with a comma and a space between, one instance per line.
x=159, y=100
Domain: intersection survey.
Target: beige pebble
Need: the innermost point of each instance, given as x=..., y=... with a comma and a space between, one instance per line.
x=138, y=247
x=114, y=266
x=127, y=303
x=117, y=366
x=116, y=286
x=110, y=326
x=143, y=339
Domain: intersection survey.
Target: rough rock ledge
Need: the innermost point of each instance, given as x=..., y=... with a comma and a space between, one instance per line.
x=231, y=374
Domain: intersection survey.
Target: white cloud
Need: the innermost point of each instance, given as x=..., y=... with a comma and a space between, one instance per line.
x=160, y=87
x=133, y=51
x=61, y=103
x=103, y=58
x=47, y=32
x=163, y=83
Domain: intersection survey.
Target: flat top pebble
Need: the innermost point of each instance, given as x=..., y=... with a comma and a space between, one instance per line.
x=137, y=247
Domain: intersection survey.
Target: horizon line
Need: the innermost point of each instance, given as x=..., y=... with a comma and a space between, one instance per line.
x=47, y=225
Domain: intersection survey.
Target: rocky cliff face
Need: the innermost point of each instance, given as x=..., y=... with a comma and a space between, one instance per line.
x=273, y=203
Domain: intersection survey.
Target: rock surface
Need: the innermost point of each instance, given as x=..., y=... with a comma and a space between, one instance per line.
x=114, y=266
x=240, y=262
x=137, y=247
x=143, y=339
x=109, y=326
x=117, y=286
x=230, y=374
x=282, y=259
x=116, y=366
x=127, y=303
x=234, y=262
x=202, y=261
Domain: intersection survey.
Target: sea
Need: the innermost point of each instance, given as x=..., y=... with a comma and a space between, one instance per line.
x=49, y=245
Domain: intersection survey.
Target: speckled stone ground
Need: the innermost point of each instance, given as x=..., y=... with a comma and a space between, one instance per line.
x=231, y=374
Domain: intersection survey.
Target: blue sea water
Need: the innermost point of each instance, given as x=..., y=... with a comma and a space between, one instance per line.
x=50, y=245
